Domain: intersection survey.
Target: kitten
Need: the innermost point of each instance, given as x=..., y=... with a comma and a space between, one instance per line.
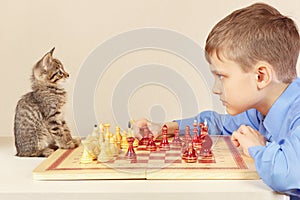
x=39, y=126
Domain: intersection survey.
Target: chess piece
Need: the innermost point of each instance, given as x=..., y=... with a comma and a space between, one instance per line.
x=118, y=136
x=107, y=132
x=203, y=130
x=205, y=150
x=92, y=142
x=113, y=146
x=130, y=154
x=190, y=155
x=176, y=141
x=196, y=139
x=151, y=146
x=95, y=132
x=105, y=153
x=164, y=145
x=124, y=143
x=87, y=155
x=187, y=135
x=101, y=134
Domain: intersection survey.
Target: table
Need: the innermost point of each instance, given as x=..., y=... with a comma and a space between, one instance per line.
x=16, y=182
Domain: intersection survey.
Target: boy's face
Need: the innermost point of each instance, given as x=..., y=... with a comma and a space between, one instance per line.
x=237, y=89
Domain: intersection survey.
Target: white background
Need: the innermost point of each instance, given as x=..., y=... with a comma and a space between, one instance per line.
x=31, y=28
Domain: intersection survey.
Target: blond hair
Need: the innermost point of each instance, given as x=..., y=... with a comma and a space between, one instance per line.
x=257, y=33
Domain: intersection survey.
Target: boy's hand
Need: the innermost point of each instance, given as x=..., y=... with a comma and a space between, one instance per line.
x=138, y=127
x=141, y=124
x=247, y=137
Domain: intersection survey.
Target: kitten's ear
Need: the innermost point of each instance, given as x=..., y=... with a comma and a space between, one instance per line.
x=51, y=52
x=47, y=59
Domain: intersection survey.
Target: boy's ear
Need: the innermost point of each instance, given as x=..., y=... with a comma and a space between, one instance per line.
x=263, y=75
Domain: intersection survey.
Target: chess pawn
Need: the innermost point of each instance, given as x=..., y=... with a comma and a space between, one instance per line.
x=190, y=155
x=105, y=153
x=95, y=140
x=95, y=132
x=164, y=145
x=118, y=135
x=87, y=155
x=176, y=141
x=130, y=154
x=130, y=133
x=196, y=139
x=96, y=147
x=151, y=146
x=101, y=133
x=124, y=143
x=187, y=135
x=113, y=146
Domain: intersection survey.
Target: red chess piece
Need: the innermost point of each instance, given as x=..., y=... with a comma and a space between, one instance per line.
x=145, y=139
x=130, y=154
x=203, y=128
x=176, y=141
x=196, y=139
x=187, y=135
x=151, y=146
x=205, y=150
x=190, y=155
x=164, y=145
x=203, y=131
x=195, y=124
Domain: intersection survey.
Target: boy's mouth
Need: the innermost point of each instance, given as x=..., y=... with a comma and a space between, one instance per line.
x=223, y=102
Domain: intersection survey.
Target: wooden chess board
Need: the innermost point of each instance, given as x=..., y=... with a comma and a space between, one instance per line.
x=227, y=162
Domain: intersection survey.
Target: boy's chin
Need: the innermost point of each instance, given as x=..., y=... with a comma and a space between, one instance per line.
x=233, y=112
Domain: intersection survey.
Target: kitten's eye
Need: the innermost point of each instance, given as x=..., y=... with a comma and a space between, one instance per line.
x=60, y=73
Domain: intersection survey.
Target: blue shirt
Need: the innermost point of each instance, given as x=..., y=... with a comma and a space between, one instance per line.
x=277, y=163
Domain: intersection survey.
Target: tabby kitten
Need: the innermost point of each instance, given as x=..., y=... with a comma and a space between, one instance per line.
x=39, y=126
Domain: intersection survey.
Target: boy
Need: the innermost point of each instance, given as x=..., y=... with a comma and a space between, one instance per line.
x=253, y=54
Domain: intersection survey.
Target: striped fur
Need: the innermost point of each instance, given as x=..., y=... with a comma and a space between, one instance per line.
x=39, y=126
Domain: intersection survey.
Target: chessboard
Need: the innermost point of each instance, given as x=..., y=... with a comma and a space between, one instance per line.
x=226, y=162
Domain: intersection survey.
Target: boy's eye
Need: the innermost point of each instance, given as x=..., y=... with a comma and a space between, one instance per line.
x=220, y=76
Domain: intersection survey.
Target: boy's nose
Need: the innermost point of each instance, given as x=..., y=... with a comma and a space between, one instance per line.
x=217, y=88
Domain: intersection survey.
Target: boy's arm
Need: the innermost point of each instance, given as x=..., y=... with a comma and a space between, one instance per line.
x=221, y=124
x=278, y=164
x=213, y=119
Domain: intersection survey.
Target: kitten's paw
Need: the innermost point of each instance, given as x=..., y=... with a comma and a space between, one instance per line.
x=75, y=142
x=47, y=152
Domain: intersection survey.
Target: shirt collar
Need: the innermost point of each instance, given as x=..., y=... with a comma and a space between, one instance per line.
x=277, y=113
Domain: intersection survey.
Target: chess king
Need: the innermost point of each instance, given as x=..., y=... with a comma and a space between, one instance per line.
x=252, y=54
